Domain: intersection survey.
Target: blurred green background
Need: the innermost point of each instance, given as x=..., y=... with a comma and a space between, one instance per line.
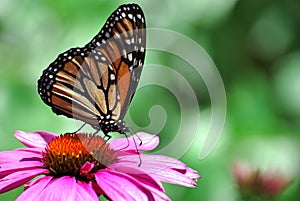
x=254, y=44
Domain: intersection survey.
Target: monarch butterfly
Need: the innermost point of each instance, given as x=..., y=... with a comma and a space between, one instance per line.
x=96, y=83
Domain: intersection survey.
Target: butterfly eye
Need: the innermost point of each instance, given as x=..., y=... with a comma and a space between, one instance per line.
x=96, y=83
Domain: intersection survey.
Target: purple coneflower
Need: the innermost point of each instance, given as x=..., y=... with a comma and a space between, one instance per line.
x=74, y=167
x=254, y=182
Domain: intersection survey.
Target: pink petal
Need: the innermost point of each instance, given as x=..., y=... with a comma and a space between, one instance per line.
x=154, y=160
x=121, y=187
x=66, y=188
x=145, y=180
x=138, y=174
x=97, y=188
x=160, y=198
x=17, y=179
x=34, y=189
x=172, y=176
x=27, y=154
x=132, y=143
x=34, y=139
x=9, y=168
x=87, y=191
x=162, y=168
x=33, y=182
x=193, y=174
x=150, y=184
x=87, y=167
x=62, y=188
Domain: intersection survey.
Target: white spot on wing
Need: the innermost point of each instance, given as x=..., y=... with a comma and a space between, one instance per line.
x=129, y=57
x=128, y=41
x=124, y=53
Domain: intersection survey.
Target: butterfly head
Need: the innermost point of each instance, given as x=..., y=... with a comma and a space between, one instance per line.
x=109, y=125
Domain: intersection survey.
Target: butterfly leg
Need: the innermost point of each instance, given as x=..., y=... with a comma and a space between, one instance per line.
x=132, y=131
x=77, y=129
x=92, y=137
x=107, y=136
x=137, y=150
x=136, y=146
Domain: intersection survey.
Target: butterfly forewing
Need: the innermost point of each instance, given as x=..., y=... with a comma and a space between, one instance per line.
x=96, y=83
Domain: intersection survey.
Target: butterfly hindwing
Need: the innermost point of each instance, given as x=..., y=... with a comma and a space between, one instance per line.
x=96, y=83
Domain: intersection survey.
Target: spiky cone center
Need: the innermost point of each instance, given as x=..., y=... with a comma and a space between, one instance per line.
x=66, y=154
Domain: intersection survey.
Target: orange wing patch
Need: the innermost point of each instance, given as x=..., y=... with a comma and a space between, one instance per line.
x=124, y=78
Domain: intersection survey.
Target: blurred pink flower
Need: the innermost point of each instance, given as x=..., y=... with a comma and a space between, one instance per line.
x=76, y=167
x=255, y=182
